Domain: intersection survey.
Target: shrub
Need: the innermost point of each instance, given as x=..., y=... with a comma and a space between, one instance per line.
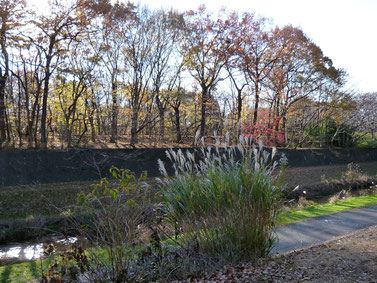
x=110, y=221
x=303, y=203
x=227, y=201
x=353, y=174
x=342, y=195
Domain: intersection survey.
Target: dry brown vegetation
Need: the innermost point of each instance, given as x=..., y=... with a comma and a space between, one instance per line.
x=350, y=258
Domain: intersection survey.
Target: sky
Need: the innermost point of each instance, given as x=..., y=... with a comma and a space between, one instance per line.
x=345, y=30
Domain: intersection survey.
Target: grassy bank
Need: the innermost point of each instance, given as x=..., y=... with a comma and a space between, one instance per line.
x=318, y=210
x=23, y=272
x=39, y=200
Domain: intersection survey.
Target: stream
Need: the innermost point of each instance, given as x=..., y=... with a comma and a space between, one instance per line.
x=29, y=251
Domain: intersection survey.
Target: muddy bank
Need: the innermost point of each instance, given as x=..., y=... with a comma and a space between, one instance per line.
x=319, y=190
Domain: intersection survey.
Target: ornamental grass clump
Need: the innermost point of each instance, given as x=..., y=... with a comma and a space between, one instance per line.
x=225, y=199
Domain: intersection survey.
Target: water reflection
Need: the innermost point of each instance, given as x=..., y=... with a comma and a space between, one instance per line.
x=28, y=251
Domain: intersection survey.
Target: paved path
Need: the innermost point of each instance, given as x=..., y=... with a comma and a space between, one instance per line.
x=316, y=230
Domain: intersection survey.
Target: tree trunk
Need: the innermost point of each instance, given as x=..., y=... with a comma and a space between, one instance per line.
x=285, y=129
x=34, y=117
x=256, y=104
x=344, y=139
x=44, y=103
x=8, y=127
x=98, y=121
x=177, y=125
x=29, y=122
x=269, y=124
x=36, y=127
x=239, y=104
x=162, y=123
x=30, y=133
x=19, y=127
x=239, y=111
x=3, y=80
x=203, y=111
x=92, y=128
x=277, y=113
x=114, y=112
x=161, y=113
x=68, y=132
x=326, y=133
x=134, y=126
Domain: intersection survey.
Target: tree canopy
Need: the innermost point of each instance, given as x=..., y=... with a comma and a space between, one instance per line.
x=93, y=72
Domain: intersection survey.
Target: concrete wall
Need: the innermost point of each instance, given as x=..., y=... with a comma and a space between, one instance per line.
x=23, y=167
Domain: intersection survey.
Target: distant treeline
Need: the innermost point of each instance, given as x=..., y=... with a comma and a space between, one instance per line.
x=87, y=72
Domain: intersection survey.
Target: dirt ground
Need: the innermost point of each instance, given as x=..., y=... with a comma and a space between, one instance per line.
x=350, y=258
x=316, y=174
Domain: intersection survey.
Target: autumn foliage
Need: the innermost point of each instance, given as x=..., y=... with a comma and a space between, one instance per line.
x=90, y=72
x=266, y=129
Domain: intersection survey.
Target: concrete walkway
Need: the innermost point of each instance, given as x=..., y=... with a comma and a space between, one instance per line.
x=316, y=230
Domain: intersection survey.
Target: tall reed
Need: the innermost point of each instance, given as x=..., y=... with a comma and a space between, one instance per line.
x=226, y=199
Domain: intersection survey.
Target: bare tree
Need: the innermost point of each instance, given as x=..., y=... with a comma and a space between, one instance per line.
x=168, y=63
x=206, y=55
x=11, y=18
x=140, y=63
x=365, y=115
x=56, y=31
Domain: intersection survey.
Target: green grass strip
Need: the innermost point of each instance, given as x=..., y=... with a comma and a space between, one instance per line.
x=23, y=272
x=328, y=208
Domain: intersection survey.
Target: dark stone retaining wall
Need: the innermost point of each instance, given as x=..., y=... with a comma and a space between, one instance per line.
x=23, y=167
